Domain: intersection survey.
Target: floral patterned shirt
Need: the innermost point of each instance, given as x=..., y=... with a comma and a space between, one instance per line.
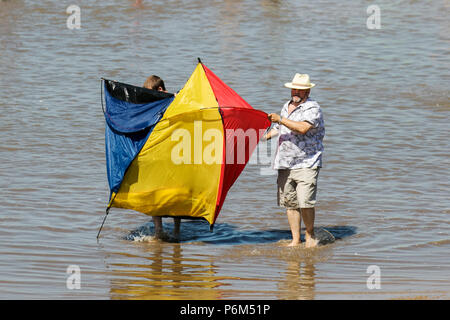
x=296, y=150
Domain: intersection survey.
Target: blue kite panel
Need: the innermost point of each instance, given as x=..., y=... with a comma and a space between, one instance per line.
x=128, y=126
x=121, y=149
x=128, y=117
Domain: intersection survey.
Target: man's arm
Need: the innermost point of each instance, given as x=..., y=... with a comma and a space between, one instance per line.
x=296, y=126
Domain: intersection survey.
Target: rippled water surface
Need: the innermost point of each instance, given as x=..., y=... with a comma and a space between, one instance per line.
x=383, y=191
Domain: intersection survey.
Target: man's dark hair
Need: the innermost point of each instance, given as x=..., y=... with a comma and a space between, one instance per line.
x=154, y=82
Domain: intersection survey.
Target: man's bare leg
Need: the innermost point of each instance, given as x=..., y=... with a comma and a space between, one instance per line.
x=157, y=221
x=308, y=215
x=295, y=220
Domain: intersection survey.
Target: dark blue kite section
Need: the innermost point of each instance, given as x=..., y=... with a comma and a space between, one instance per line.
x=128, y=126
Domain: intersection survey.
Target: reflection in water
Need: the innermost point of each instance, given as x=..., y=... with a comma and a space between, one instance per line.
x=160, y=270
x=299, y=282
x=163, y=273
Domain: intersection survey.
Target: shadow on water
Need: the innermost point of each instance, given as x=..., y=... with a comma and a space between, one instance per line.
x=226, y=234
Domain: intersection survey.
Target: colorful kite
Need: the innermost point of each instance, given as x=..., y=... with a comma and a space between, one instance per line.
x=177, y=155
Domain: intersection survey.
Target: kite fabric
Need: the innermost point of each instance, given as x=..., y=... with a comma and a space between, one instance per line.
x=177, y=155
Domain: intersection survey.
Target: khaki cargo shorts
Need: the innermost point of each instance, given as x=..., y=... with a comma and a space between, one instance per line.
x=297, y=188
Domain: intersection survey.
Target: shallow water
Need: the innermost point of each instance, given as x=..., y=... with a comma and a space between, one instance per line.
x=383, y=191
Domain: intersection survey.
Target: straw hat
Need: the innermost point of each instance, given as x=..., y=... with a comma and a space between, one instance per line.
x=300, y=81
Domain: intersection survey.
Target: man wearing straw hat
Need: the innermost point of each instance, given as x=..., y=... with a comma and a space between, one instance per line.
x=300, y=127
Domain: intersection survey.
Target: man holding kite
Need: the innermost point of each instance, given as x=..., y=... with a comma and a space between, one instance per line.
x=300, y=127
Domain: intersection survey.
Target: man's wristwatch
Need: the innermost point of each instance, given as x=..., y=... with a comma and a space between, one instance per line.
x=281, y=118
